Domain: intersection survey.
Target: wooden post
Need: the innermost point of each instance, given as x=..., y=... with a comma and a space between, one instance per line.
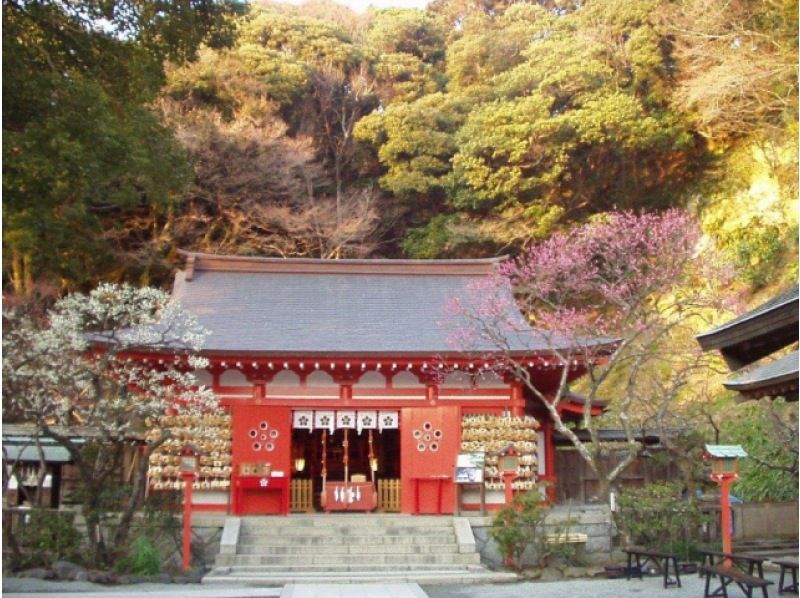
x=725, y=504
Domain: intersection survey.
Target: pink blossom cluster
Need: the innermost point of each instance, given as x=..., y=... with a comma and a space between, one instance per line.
x=596, y=277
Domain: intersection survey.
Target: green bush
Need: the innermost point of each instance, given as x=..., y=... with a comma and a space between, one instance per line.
x=518, y=525
x=143, y=558
x=564, y=552
x=657, y=517
x=50, y=536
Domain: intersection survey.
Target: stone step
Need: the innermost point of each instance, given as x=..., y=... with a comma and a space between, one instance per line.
x=345, y=540
x=247, y=548
x=353, y=530
x=325, y=519
x=427, y=577
x=343, y=568
x=337, y=559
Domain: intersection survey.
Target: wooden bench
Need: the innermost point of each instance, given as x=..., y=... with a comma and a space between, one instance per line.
x=660, y=559
x=787, y=565
x=750, y=564
x=729, y=575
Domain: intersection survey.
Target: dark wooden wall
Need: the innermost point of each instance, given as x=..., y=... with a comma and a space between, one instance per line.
x=577, y=483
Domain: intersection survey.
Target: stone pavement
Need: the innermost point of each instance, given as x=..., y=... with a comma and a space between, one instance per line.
x=649, y=587
x=366, y=590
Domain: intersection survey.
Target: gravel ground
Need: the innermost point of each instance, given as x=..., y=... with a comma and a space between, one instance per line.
x=649, y=587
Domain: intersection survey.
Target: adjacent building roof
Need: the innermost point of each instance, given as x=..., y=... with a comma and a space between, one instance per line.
x=19, y=444
x=310, y=306
x=778, y=377
x=754, y=335
x=757, y=333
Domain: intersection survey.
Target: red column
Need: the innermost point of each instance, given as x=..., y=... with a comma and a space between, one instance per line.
x=550, y=460
x=508, y=478
x=188, y=479
x=517, y=401
x=725, y=505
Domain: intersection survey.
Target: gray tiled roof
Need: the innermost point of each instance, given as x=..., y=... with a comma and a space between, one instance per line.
x=779, y=371
x=343, y=306
x=787, y=296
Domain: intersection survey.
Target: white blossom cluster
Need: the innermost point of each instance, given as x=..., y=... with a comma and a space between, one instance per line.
x=112, y=361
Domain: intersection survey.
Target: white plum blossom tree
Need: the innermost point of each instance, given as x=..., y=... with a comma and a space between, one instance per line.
x=107, y=364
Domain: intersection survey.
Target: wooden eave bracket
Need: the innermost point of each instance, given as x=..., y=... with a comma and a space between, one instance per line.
x=190, y=267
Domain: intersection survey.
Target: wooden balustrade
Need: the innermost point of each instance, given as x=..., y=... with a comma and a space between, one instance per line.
x=389, y=496
x=301, y=496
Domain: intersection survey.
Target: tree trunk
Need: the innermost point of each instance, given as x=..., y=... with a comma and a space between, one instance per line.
x=137, y=494
x=337, y=170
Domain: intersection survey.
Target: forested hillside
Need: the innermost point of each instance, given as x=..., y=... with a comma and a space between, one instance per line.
x=472, y=128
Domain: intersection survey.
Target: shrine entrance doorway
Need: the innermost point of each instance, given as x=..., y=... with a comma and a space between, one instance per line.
x=345, y=470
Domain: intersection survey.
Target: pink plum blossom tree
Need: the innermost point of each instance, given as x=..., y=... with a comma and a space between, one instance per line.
x=616, y=300
x=83, y=378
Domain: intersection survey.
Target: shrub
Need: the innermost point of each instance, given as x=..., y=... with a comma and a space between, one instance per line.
x=50, y=536
x=143, y=558
x=517, y=526
x=657, y=517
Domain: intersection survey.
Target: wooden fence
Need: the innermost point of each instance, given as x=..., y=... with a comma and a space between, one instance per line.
x=577, y=483
x=301, y=496
x=389, y=496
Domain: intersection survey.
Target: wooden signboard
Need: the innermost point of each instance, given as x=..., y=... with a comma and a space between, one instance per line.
x=469, y=467
x=469, y=472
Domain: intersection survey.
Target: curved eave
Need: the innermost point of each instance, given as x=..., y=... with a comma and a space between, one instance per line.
x=757, y=333
x=776, y=378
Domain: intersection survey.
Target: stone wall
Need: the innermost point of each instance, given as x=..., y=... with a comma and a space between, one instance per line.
x=592, y=520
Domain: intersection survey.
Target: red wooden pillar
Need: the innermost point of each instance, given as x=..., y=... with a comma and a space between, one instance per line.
x=517, y=400
x=346, y=392
x=431, y=393
x=550, y=460
x=725, y=482
x=258, y=392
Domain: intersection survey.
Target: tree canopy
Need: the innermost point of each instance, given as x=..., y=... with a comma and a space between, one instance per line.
x=467, y=129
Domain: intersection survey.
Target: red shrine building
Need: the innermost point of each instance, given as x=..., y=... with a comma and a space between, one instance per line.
x=343, y=393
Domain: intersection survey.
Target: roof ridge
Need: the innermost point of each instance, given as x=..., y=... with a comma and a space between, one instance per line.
x=196, y=261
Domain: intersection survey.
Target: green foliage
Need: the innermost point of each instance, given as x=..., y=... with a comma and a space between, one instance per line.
x=519, y=525
x=415, y=143
x=658, y=517
x=83, y=152
x=564, y=553
x=143, y=558
x=407, y=31
x=487, y=125
x=768, y=432
x=299, y=38
x=50, y=536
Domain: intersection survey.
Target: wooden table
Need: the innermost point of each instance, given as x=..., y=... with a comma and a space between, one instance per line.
x=750, y=564
x=787, y=564
x=350, y=496
x=660, y=559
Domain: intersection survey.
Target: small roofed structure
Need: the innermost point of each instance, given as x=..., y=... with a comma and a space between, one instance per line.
x=755, y=336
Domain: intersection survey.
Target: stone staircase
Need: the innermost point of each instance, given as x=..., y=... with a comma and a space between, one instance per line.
x=349, y=548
